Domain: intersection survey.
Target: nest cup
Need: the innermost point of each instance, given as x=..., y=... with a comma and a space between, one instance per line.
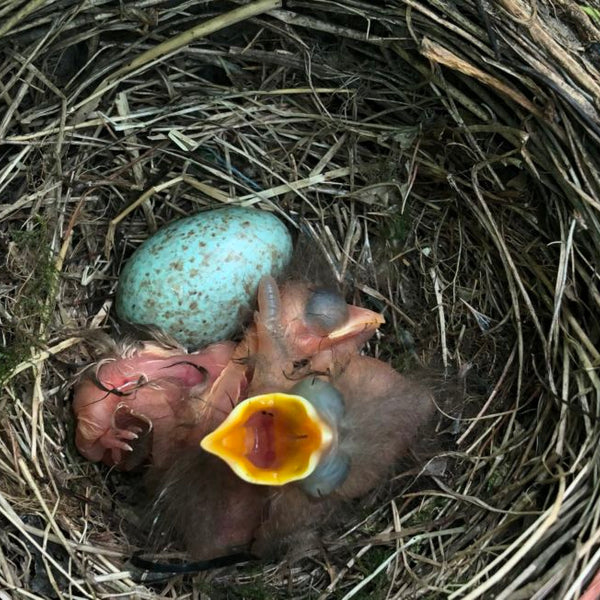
x=443, y=157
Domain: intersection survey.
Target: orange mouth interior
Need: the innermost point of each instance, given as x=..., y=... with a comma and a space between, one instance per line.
x=272, y=439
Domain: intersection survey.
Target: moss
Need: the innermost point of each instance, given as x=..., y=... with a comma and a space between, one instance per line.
x=31, y=261
x=428, y=512
x=497, y=477
x=377, y=588
x=398, y=228
x=255, y=590
x=399, y=350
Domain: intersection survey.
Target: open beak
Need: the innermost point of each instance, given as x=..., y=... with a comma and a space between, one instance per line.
x=271, y=439
x=359, y=321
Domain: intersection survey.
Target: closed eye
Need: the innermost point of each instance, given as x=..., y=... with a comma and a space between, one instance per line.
x=325, y=310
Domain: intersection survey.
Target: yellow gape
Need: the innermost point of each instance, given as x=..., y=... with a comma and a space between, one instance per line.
x=271, y=439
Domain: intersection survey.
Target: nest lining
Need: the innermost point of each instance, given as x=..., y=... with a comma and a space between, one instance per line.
x=443, y=158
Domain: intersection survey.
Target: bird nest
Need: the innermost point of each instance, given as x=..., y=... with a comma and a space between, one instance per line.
x=443, y=157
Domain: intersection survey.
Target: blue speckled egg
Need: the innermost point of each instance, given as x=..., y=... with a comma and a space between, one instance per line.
x=197, y=277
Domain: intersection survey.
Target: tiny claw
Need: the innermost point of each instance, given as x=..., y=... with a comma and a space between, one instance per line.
x=118, y=438
x=137, y=430
x=116, y=452
x=125, y=418
x=125, y=434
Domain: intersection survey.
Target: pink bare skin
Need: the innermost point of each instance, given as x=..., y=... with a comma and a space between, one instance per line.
x=123, y=401
x=291, y=331
x=592, y=592
x=156, y=401
x=296, y=340
x=203, y=503
x=313, y=320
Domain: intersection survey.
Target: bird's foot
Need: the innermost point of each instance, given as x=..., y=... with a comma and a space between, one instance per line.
x=127, y=426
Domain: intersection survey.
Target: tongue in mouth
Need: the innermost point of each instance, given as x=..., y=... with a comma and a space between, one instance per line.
x=271, y=439
x=260, y=439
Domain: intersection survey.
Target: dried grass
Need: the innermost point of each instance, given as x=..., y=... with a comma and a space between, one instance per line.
x=445, y=159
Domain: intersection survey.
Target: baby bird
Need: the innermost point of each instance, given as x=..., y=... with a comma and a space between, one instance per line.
x=310, y=323
x=125, y=402
x=151, y=401
x=308, y=437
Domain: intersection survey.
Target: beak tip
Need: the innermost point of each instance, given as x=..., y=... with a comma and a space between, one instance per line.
x=358, y=327
x=205, y=444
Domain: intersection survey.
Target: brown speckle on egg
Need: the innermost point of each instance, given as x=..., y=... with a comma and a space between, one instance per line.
x=200, y=271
